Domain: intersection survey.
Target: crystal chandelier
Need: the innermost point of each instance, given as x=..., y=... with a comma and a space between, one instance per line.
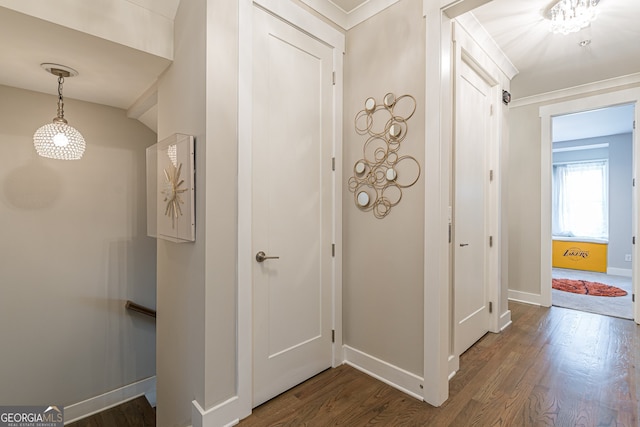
x=569, y=16
x=58, y=140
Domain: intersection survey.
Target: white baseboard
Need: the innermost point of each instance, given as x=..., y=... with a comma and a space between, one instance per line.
x=91, y=406
x=224, y=414
x=625, y=272
x=454, y=366
x=525, y=297
x=505, y=320
x=396, y=377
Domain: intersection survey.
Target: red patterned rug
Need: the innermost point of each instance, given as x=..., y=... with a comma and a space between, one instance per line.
x=585, y=287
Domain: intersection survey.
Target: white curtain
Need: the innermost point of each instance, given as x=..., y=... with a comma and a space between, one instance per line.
x=580, y=200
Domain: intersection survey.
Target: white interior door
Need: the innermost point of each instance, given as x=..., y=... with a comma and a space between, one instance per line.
x=292, y=205
x=471, y=177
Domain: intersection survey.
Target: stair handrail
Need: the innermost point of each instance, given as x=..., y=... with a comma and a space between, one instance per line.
x=130, y=305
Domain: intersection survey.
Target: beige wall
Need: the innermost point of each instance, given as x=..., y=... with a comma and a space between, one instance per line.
x=197, y=281
x=73, y=250
x=383, y=258
x=181, y=266
x=524, y=193
x=524, y=199
x=222, y=199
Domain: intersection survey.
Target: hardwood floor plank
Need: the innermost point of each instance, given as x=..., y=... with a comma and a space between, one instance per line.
x=134, y=413
x=506, y=403
x=469, y=414
x=541, y=409
x=374, y=411
x=551, y=367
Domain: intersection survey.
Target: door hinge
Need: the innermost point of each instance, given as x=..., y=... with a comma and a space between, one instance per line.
x=633, y=240
x=490, y=241
x=333, y=78
x=634, y=124
x=633, y=297
x=333, y=335
x=490, y=307
x=633, y=182
x=333, y=249
x=491, y=110
x=491, y=175
x=449, y=232
x=333, y=163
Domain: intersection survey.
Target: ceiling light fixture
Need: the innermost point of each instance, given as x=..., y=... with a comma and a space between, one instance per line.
x=58, y=140
x=569, y=16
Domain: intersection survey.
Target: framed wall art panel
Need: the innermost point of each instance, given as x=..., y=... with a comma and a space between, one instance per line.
x=175, y=189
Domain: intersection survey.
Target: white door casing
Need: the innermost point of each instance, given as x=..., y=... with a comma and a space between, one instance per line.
x=635, y=277
x=441, y=18
x=547, y=112
x=635, y=224
x=292, y=205
x=471, y=178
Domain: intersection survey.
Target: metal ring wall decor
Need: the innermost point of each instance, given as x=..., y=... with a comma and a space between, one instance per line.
x=377, y=181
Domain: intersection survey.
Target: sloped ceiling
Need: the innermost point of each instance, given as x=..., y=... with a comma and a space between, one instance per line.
x=120, y=47
x=166, y=8
x=109, y=73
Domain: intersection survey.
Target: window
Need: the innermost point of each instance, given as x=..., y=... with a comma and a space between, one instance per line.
x=581, y=199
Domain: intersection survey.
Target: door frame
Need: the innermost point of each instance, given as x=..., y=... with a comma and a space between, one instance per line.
x=439, y=15
x=306, y=22
x=466, y=50
x=547, y=112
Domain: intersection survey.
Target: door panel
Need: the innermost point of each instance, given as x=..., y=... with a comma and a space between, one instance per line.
x=292, y=205
x=470, y=207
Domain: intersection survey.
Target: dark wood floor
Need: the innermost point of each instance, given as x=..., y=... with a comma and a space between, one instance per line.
x=552, y=367
x=134, y=413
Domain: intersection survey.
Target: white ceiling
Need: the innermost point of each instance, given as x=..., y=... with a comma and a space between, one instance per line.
x=347, y=5
x=549, y=61
x=166, y=8
x=546, y=61
x=110, y=73
x=593, y=123
x=118, y=75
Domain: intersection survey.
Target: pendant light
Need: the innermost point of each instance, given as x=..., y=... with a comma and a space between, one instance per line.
x=58, y=140
x=569, y=16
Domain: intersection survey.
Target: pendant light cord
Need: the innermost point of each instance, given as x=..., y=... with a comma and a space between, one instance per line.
x=60, y=99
